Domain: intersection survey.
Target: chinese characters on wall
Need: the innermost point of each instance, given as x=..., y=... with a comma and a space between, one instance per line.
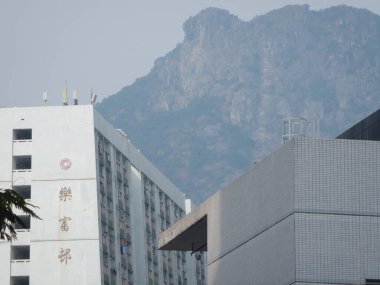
x=64, y=255
x=65, y=223
x=65, y=196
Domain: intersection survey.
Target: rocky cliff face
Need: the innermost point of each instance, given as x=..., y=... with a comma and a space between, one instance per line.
x=215, y=104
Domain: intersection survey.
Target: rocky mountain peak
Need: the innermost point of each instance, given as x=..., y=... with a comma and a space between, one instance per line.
x=207, y=23
x=216, y=102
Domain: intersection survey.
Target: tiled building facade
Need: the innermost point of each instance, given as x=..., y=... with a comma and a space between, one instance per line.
x=307, y=214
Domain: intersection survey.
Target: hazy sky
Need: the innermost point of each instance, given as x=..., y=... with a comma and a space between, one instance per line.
x=104, y=45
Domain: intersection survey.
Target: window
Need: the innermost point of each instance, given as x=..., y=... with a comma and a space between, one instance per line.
x=24, y=191
x=125, y=161
x=22, y=134
x=118, y=156
x=372, y=281
x=20, y=280
x=26, y=223
x=20, y=252
x=22, y=162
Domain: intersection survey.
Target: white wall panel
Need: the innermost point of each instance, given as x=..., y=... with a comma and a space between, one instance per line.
x=82, y=268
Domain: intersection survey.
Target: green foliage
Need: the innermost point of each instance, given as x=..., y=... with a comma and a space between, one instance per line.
x=10, y=199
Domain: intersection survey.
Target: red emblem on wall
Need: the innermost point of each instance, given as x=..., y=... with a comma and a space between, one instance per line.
x=65, y=163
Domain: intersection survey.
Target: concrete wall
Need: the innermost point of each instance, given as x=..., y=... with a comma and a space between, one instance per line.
x=251, y=226
x=82, y=268
x=57, y=133
x=69, y=133
x=265, y=259
x=138, y=232
x=5, y=264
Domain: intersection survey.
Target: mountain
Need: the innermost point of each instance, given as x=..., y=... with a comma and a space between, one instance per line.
x=215, y=103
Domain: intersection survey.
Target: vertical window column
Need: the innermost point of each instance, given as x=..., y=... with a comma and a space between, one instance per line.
x=21, y=183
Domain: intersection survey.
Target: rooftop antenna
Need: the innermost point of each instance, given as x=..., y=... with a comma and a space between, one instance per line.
x=44, y=96
x=64, y=95
x=93, y=97
x=75, y=97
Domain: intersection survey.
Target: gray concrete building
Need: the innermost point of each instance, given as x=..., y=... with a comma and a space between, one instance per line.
x=309, y=213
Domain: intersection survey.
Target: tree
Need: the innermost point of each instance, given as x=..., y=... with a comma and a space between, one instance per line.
x=9, y=199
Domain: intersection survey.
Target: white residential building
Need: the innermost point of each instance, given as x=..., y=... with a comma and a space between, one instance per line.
x=102, y=203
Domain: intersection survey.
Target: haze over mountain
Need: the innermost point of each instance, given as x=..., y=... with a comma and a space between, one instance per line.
x=215, y=104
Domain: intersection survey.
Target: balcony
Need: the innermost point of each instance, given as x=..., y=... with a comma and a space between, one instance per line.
x=20, y=267
x=123, y=262
x=119, y=176
x=106, y=279
x=22, y=165
x=22, y=147
x=102, y=189
x=149, y=253
x=22, y=142
x=111, y=231
x=110, y=221
x=103, y=219
x=121, y=203
x=112, y=252
x=126, y=210
x=126, y=190
x=109, y=206
x=23, y=237
x=109, y=187
x=101, y=159
x=130, y=269
x=22, y=177
x=104, y=242
x=20, y=260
